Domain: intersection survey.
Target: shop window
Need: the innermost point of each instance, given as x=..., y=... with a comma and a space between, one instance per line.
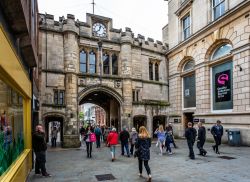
x=59, y=97
x=105, y=59
x=11, y=126
x=151, y=74
x=114, y=65
x=218, y=8
x=83, y=62
x=156, y=72
x=92, y=62
x=222, y=86
x=189, y=92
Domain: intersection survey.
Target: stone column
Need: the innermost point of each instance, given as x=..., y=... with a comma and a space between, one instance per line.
x=71, y=65
x=126, y=72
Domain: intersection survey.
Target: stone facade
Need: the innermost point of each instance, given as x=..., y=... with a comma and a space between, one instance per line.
x=125, y=94
x=207, y=34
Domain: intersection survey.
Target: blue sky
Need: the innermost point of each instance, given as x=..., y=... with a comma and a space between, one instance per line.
x=146, y=17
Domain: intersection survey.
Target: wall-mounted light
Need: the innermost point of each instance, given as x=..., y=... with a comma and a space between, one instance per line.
x=240, y=68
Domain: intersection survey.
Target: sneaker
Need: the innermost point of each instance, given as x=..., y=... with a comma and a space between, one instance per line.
x=140, y=174
x=37, y=173
x=46, y=175
x=149, y=178
x=170, y=153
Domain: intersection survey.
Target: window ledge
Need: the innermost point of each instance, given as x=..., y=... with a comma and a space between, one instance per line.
x=53, y=105
x=183, y=6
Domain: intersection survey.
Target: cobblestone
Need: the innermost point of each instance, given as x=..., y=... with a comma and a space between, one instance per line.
x=72, y=165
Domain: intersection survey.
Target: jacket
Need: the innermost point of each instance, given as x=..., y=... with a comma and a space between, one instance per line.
x=124, y=136
x=112, y=138
x=190, y=134
x=217, y=131
x=202, y=134
x=143, y=146
x=133, y=137
x=38, y=142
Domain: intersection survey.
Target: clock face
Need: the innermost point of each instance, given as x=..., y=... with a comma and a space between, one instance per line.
x=99, y=30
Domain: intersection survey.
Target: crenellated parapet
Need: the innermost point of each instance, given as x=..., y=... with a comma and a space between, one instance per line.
x=85, y=30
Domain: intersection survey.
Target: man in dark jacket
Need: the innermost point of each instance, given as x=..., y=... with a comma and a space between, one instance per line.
x=40, y=147
x=98, y=133
x=201, y=139
x=124, y=138
x=217, y=132
x=190, y=135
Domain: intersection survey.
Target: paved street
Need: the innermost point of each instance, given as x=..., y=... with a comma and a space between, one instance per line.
x=71, y=165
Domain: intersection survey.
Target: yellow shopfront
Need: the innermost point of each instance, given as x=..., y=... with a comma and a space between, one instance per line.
x=15, y=114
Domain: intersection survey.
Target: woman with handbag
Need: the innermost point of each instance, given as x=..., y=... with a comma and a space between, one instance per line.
x=142, y=145
x=89, y=139
x=112, y=141
x=161, y=138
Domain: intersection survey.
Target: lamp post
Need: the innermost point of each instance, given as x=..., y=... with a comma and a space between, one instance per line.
x=100, y=59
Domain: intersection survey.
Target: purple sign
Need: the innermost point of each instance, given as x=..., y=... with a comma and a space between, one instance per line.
x=223, y=86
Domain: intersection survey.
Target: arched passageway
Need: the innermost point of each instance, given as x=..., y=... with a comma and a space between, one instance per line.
x=139, y=121
x=51, y=122
x=107, y=100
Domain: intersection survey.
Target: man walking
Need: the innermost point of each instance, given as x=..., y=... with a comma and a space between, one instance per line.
x=201, y=139
x=54, y=136
x=190, y=135
x=217, y=132
x=98, y=134
x=124, y=137
x=40, y=147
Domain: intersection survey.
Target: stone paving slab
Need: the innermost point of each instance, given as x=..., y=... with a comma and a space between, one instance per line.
x=72, y=165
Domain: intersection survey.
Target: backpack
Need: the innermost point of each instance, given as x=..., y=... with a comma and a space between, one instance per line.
x=92, y=137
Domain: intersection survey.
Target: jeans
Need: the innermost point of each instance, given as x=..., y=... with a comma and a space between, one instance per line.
x=191, y=150
x=53, y=141
x=200, y=145
x=40, y=162
x=217, y=143
x=89, y=148
x=125, y=144
x=167, y=144
x=145, y=165
x=98, y=141
x=132, y=149
x=112, y=150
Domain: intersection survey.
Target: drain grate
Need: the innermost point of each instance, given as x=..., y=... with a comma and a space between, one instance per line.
x=226, y=157
x=104, y=177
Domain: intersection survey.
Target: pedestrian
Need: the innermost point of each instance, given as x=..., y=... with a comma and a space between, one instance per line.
x=124, y=138
x=105, y=134
x=54, y=136
x=98, y=133
x=133, y=137
x=161, y=138
x=82, y=133
x=89, y=135
x=170, y=130
x=112, y=141
x=142, y=145
x=190, y=135
x=201, y=139
x=40, y=147
x=217, y=132
x=167, y=143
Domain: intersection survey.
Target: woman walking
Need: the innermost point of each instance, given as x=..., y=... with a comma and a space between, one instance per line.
x=161, y=138
x=89, y=138
x=133, y=137
x=112, y=141
x=143, y=144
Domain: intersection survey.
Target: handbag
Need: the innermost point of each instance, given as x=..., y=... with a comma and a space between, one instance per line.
x=92, y=137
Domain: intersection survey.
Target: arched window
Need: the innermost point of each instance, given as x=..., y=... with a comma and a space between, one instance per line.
x=151, y=74
x=223, y=50
x=222, y=79
x=189, y=86
x=105, y=59
x=114, y=65
x=92, y=62
x=83, y=62
x=188, y=66
x=156, y=72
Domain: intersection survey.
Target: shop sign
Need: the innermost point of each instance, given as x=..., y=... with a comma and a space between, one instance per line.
x=223, y=86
